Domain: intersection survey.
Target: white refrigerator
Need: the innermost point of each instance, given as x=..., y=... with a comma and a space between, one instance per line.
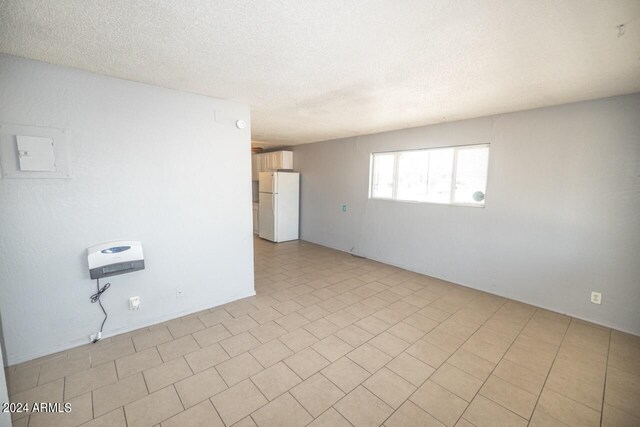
x=279, y=205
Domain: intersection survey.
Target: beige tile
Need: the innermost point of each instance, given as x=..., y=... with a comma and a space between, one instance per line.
x=206, y=358
x=449, y=343
x=428, y=353
x=306, y=362
x=409, y=414
x=283, y=411
x=271, y=353
x=411, y=369
x=240, y=307
x=566, y=410
x=369, y=357
x=168, y=373
x=215, y=317
x=457, y=381
x=268, y=331
x=60, y=368
x=151, y=339
x=445, y=406
x=316, y=394
x=360, y=310
x=330, y=418
x=307, y=300
x=459, y=329
x=23, y=379
x=508, y=395
x=389, y=344
x=298, y=339
x=471, y=363
x=287, y=307
x=185, y=326
x=389, y=387
x=389, y=316
x=483, y=412
x=540, y=419
x=201, y=415
x=211, y=335
x=240, y=324
x=246, y=422
x=434, y=314
x=80, y=413
x=363, y=408
x=354, y=335
x=321, y=328
x=342, y=318
x=292, y=321
x=275, y=380
x=201, y=386
x=346, y=374
x=239, y=344
x=91, y=379
x=580, y=368
x=614, y=417
x=585, y=393
x=375, y=302
x=112, y=396
x=313, y=312
x=154, y=408
x=421, y=322
x=112, y=351
x=520, y=376
x=537, y=359
x=178, y=347
x=265, y=315
x=486, y=350
x=406, y=332
x=238, y=368
x=332, y=348
x=112, y=419
x=49, y=392
x=238, y=401
x=373, y=325
x=622, y=391
x=137, y=362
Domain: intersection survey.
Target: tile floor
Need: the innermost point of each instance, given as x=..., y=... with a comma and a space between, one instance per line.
x=334, y=340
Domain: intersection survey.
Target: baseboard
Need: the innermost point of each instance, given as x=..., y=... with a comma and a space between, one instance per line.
x=20, y=358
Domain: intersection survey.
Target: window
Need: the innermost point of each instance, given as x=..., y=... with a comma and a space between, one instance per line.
x=454, y=175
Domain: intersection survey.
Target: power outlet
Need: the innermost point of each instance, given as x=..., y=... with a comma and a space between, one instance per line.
x=179, y=292
x=344, y=208
x=134, y=303
x=596, y=297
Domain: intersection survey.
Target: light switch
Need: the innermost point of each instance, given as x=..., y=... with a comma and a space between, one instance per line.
x=36, y=154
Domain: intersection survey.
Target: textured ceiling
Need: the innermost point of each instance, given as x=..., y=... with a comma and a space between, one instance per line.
x=317, y=70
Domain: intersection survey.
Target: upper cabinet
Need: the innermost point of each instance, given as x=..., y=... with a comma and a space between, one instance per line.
x=270, y=162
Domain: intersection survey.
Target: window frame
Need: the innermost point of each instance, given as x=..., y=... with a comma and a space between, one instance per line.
x=456, y=148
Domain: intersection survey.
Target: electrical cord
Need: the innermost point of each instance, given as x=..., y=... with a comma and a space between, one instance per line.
x=96, y=298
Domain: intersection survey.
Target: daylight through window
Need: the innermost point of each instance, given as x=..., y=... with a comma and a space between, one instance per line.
x=452, y=175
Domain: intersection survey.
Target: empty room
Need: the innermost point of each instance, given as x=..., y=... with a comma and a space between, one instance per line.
x=285, y=213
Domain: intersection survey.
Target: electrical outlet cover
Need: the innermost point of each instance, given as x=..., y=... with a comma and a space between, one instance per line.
x=134, y=303
x=596, y=297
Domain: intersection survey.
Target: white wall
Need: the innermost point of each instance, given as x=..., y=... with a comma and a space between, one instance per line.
x=5, y=417
x=562, y=215
x=149, y=164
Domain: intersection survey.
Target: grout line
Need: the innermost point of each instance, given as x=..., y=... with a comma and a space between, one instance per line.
x=550, y=368
x=445, y=361
x=606, y=375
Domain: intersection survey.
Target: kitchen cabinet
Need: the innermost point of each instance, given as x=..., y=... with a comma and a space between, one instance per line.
x=270, y=162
